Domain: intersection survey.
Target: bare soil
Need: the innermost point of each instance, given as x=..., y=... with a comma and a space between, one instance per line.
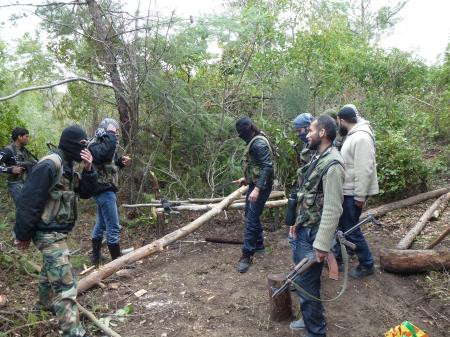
x=193, y=288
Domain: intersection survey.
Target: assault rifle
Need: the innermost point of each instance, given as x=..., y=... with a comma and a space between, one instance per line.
x=310, y=259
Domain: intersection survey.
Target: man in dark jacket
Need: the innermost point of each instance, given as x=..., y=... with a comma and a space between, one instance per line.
x=17, y=161
x=257, y=164
x=46, y=213
x=107, y=164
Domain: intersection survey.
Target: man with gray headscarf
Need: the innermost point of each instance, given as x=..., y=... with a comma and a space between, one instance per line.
x=107, y=164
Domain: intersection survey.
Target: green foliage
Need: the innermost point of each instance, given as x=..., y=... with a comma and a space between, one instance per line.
x=400, y=165
x=9, y=119
x=187, y=82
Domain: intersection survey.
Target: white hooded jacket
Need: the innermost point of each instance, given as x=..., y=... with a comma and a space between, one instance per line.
x=358, y=152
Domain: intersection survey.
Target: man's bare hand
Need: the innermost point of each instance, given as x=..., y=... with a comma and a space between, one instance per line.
x=18, y=170
x=359, y=204
x=292, y=232
x=240, y=182
x=22, y=245
x=126, y=160
x=254, y=195
x=87, y=159
x=320, y=255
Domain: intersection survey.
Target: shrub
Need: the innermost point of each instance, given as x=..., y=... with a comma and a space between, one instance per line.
x=401, y=167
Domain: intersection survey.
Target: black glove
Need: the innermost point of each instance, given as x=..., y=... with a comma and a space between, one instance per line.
x=100, y=132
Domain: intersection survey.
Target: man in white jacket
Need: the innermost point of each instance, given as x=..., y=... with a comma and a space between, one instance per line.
x=360, y=182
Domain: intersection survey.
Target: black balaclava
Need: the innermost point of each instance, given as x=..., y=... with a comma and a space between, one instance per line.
x=244, y=128
x=69, y=142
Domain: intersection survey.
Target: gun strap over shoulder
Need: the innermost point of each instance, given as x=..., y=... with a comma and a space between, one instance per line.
x=57, y=160
x=259, y=137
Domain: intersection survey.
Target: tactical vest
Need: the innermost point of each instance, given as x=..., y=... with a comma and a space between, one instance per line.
x=252, y=172
x=310, y=194
x=19, y=157
x=108, y=173
x=61, y=205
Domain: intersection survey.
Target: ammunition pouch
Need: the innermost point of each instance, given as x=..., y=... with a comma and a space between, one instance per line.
x=291, y=209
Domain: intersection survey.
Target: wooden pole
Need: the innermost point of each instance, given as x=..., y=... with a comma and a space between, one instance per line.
x=281, y=305
x=408, y=239
x=273, y=195
x=383, y=209
x=240, y=205
x=196, y=202
x=441, y=208
x=414, y=261
x=158, y=245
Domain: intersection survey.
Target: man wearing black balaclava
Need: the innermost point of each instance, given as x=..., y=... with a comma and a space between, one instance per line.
x=257, y=164
x=46, y=213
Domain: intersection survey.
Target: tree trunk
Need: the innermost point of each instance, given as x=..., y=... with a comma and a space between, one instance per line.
x=156, y=246
x=441, y=208
x=383, y=209
x=280, y=306
x=108, y=51
x=408, y=239
x=414, y=261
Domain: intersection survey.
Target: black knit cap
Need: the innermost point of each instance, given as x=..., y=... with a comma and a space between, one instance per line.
x=70, y=142
x=347, y=113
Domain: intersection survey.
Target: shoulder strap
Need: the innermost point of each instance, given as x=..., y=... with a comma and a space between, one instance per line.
x=57, y=160
x=259, y=137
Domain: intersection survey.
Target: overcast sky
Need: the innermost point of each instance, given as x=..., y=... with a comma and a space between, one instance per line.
x=424, y=29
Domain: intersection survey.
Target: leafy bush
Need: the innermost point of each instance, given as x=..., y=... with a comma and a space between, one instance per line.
x=401, y=167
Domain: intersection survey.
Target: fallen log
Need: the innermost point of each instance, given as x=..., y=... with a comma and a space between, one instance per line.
x=239, y=205
x=439, y=239
x=273, y=195
x=158, y=245
x=383, y=209
x=414, y=261
x=408, y=239
x=196, y=201
x=441, y=208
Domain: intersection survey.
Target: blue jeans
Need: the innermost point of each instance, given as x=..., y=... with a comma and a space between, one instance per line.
x=15, y=189
x=107, y=218
x=349, y=218
x=253, y=233
x=312, y=310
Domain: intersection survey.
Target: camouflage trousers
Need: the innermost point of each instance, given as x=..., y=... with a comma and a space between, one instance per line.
x=57, y=285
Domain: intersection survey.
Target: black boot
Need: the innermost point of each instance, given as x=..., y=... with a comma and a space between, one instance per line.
x=96, y=251
x=114, y=250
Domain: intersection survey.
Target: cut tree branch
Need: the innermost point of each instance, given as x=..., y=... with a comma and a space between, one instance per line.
x=383, y=209
x=54, y=84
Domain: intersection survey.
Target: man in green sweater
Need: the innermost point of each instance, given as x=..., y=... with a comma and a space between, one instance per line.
x=319, y=207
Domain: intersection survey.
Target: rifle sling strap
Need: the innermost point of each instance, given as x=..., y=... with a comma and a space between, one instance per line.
x=344, y=284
